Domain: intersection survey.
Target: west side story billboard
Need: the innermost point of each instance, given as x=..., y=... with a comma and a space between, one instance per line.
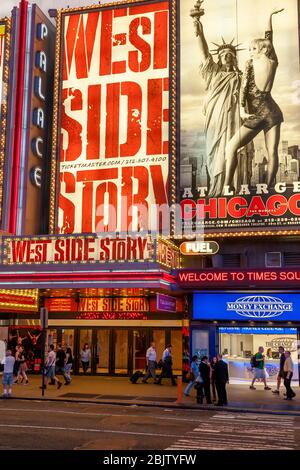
x=240, y=115
x=111, y=116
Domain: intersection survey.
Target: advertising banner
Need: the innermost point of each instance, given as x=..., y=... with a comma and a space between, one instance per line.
x=240, y=116
x=112, y=120
x=82, y=249
x=165, y=303
x=238, y=306
x=223, y=278
x=119, y=304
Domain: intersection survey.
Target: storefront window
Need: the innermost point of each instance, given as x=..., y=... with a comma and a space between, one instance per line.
x=176, y=341
x=200, y=343
x=159, y=338
x=238, y=347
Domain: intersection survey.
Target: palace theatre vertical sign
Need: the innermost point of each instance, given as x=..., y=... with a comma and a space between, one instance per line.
x=112, y=118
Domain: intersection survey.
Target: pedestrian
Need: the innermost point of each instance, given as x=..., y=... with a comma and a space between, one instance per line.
x=60, y=363
x=281, y=372
x=288, y=370
x=258, y=364
x=85, y=355
x=167, y=363
x=194, y=372
x=150, y=363
x=22, y=365
x=68, y=364
x=221, y=379
x=199, y=386
x=50, y=368
x=204, y=370
x=212, y=377
x=17, y=364
x=8, y=374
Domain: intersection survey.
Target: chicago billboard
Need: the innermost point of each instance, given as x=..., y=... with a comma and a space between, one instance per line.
x=240, y=116
x=112, y=113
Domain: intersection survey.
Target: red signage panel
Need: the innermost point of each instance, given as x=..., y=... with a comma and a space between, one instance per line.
x=234, y=278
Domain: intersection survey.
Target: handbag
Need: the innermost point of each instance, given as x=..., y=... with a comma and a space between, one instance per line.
x=190, y=376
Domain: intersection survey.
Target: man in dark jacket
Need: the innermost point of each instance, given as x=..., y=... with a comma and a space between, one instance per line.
x=204, y=370
x=221, y=378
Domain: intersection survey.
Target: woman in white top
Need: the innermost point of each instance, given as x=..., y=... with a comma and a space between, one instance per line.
x=85, y=355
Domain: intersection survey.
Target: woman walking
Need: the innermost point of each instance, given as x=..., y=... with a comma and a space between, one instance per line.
x=194, y=372
x=85, y=355
x=21, y=359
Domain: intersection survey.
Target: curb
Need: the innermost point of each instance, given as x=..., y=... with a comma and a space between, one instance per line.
x=164, y=405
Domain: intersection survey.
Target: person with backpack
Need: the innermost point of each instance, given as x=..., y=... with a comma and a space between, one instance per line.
x=258, y=365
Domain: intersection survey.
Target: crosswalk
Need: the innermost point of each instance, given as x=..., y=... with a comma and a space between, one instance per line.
x=238, y=431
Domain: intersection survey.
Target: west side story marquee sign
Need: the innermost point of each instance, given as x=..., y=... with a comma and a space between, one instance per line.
x=117, y=126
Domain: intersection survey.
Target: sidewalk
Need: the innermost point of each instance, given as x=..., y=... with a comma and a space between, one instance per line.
x=119, y=390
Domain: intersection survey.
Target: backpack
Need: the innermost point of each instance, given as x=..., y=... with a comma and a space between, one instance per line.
x=253, y=361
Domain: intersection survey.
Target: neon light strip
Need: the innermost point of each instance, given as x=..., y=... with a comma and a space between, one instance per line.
x=25, y=125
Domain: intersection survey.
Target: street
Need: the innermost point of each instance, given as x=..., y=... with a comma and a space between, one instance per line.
x=34, y=425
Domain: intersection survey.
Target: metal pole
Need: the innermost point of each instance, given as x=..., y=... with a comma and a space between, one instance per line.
x=43, y=360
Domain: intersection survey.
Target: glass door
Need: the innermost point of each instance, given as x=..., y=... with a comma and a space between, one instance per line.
x=101, y=351
x=140, y=345
x=121, y=351
x=85, y=337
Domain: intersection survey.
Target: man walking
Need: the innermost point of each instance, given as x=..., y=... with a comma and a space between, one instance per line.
x=288, y=370
x=259, y=369
x=8, y=374
x=50, y=368
x=60, y=364
x=151, y=363
x=221, y=379
x=204, y=370
x=281, y=372
x=167, y=366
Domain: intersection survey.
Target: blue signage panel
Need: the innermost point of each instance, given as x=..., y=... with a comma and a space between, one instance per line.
x=239, y=306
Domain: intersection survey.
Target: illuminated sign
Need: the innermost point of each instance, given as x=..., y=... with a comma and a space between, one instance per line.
x=228, y=183
x=168, y=254
x=250, y=277
x=61, y=305
x=72, y=249
x=113, y=113
x=5, y=38
x=233, y=306
x=259, y=306
x=19, y=300
x=165, y=303
x=106, y=304
x=199, y=248
x=111, y=316
x=38, y=114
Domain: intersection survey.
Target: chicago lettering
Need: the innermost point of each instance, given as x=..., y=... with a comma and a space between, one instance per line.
x=239, y=207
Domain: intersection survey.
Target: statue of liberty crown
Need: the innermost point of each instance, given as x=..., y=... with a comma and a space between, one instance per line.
x=225, y=45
